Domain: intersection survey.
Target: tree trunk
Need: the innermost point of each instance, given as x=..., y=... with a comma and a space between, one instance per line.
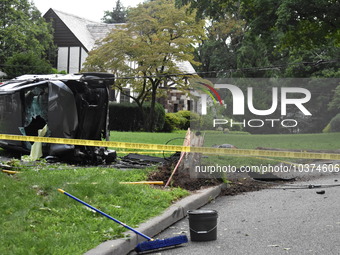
x=151, y=117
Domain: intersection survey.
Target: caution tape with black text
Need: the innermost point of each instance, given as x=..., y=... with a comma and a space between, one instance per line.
x=160, y=147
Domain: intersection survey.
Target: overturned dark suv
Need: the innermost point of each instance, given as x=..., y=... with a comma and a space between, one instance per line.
x=67, y=106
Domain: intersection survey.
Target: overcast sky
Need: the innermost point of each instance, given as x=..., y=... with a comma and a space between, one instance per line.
x=92, y=10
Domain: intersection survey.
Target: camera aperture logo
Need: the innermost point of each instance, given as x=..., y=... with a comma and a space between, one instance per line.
x=281, y=98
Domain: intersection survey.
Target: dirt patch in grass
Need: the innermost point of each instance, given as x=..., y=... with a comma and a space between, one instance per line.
x=182, y=177
x=238, y=182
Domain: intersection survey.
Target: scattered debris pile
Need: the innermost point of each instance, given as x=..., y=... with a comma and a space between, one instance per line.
x=137, y=161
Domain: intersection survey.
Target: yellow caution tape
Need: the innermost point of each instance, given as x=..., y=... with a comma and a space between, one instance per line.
x=143, y=152
x=160, y=147
x=145, y=182
x=124, y=145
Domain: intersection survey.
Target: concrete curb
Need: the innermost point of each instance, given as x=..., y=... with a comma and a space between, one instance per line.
x=156, y=225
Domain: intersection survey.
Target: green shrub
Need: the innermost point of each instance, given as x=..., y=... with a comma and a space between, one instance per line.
x=173, y=121
x=55, y=71
x=185, y=114
x=236, y=127
x=185, y=119
x=327, y=129
x=26, y=63
x=207, y=122
x=181, y=120
x=335, y=123
x=128, y=117
x=168, y=124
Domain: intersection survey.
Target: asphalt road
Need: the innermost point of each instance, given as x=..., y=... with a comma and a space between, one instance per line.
x=271, y=221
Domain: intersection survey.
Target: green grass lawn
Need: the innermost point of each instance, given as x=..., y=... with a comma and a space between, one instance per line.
x=174, y=138
x=327, y=141
x=324, y=141
x=37, y=219
x=144, y=137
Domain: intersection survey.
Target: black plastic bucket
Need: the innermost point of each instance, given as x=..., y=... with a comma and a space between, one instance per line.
x=203, y=225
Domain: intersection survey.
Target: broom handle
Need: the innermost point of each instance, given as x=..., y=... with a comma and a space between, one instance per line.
x=106, y=215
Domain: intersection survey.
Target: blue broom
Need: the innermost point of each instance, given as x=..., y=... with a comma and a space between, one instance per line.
x=151, y=244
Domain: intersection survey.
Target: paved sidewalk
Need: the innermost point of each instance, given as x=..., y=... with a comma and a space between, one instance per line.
x=272, y=221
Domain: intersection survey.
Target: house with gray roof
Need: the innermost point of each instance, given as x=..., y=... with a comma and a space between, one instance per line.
x=75, y=36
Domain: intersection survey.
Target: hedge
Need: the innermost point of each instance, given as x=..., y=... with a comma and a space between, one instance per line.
x=128, y=117
x=180, y=120
x=173, y=121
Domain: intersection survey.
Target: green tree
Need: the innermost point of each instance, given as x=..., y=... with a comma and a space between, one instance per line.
x=309, y=23
x=304, y=24
x=278, y=38
x=232, y=49
x=150, y=46
x=26, y=63
x=117, y=15
x=217, y=52
x=22, y=29
x=321, y=61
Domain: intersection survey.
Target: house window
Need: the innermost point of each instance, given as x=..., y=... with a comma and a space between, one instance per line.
x=124, y=97
x=74, y=59
x=63, y=59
